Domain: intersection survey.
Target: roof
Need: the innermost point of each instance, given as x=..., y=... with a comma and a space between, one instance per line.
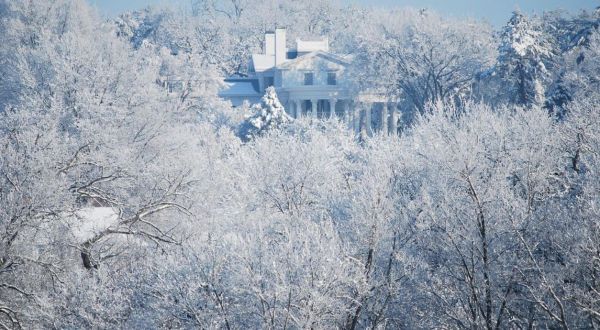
x=318, y=53
x=263, y=62
x=240, y=87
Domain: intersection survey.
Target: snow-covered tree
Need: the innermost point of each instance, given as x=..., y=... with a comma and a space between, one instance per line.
x=86, y=126
x=265, y=116
x=124, y=205
x=579, y=75
x=525, y=55
x=421, y=57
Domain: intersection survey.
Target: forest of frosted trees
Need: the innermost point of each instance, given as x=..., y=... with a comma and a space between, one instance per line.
x=125, y=206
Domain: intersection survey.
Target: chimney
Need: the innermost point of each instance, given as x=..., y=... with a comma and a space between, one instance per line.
x=269, y=43
x=279, y=46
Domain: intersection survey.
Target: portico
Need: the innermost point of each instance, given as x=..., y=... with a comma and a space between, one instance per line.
x=373, y=117
x=319, y=108
x=315, y=101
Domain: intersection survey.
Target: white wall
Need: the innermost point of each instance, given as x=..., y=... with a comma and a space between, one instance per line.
x=320, y=67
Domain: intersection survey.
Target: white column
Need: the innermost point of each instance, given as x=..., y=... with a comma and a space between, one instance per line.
x=368, y=108
x=356, y=116
x=314, y=108
x=394, y=121
x=384, y=118
x=298, y=104
x=347, y=117
x=332, y=103
x=363, y=117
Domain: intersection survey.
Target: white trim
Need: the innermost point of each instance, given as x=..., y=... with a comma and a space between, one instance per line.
x=325, y=55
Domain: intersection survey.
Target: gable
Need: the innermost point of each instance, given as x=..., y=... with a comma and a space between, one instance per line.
x=316, y=61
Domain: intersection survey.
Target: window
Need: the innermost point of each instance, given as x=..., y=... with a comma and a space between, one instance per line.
x=268, y=82
x=331, y=78
x=308, y=78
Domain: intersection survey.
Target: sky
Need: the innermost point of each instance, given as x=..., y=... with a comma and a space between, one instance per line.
x=496, y=12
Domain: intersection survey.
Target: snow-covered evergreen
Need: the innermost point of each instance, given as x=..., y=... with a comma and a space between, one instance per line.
x=525, y=52
x=264, y=117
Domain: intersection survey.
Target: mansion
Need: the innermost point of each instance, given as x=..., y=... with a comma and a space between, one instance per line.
x=310, y=81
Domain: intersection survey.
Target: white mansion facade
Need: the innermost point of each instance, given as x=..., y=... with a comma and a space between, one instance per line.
x=309, y=81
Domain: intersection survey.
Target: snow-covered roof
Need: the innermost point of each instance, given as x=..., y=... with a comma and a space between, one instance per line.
x=240, y=87
x=326, y=55
x=263, y=62
x=89, y=221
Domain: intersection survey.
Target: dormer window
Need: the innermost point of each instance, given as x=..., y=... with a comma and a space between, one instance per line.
x=331, y=78
x=308, y=78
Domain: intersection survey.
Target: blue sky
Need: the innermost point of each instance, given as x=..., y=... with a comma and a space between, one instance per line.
x=495, y=11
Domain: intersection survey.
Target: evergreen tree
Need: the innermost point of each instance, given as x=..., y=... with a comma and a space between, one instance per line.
x=524, y=54
x=264, y=117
